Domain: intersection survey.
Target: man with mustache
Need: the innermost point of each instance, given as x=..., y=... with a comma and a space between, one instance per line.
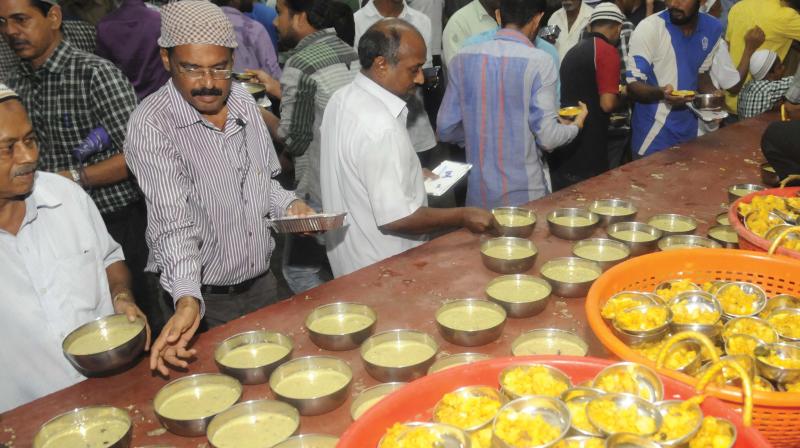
x=368, y=165
x=572, y=19
x=204, y=160
x=670, y=51
x=71, y=94
x=61, y=268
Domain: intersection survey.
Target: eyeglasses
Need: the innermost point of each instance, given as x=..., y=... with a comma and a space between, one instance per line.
x=198, y=73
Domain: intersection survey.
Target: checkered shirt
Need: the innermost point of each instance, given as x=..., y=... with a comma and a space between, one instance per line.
x=68, y=96
x=758, y=97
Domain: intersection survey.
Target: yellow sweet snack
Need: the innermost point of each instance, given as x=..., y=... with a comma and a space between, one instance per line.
x=756, y=328
x=400, y=436
x=762, y=385
x=641, y=319
x=741, y=344
x=466, y=411
x=727, y=374
x=787, y=324
x=533, y=380
x=792, y=387
x=676, y=288
x=590, y=443
x=737, y=302
x=713, y=433
x=785, y=363
x=482, y=438
x=519, y=429
x=681, y=314
x=614, y=419
x=677, y=422
x=766, y=203
x=619, y=303
x=577, y=410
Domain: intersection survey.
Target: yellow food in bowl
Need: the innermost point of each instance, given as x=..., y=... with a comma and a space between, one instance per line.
x=104, y=339
x=512, y=220
x=509, y=252
x=619, y=303
x=401, y=436
x=740, y=344
x=613, y=419
x=533, y=380
x=735, y=301
x=466, y=411
x=481, y=438
x=577, y=410
x=570, y=274
x=756, y=328
x=792, y=387
x=250, y=356
x=674, y=288
x=677, y=422
x=633, y=236
x=726, y=235
x=518, y=291
x=572, y=221
x=198, y=402
x=682, y=314
x=774, y=359
x=623, y=382
x=683, y=93
x=601, y=253
x=672, y=225
x=254, y=431
x=714, y=433
x=520, y=429
x=646, y=319
x=787, y=324
x=761, y=221
x=470, y=318
x=569, y=112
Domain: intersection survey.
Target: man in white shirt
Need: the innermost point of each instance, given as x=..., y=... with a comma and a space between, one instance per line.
x=61, y=268
x=434, y=10
x=474, y=18
x=419, y=127
x=369, y=168
x=572, y=19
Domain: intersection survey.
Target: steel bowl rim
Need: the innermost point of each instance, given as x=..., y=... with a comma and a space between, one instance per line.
x=570, y=261
x=556, y=405
x=429, y=340
x=434, y=368
x=267, y=333
x=339, y=362
x=193, y=377
x=454, y=303
x=78, y=410
x=640, y=403
x=295, y=417
x=300, y=437
x=525, y=335
x=97, y=321
x=628, y=365
x=690, y=240
x=556, y=372
x=518, y=278
x=648, y=332
x=392, y=386
x=574, y=211
x=601, y=242
x=760, y=293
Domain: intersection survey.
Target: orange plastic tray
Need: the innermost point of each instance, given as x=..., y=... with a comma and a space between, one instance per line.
x=415, y=402
x=749, y=240
x=776, y=414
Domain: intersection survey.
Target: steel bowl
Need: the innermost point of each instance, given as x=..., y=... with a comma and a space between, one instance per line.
x=342, y=338
x=783, y=350
x=741, y=190
x=730, y=376
x=637, y=247
x=709, y=101
x=663, y=409
x=537, y=294
x=468, y=331
x=637, y=297
x=550, y=409
x=259, y=372
x=309, y=441
x=788, y=311
x=643, y=309
x=696, y=301
x=504, y=265
x=569, y=112
x=306, y=371
x=602, y=251
x=627, y=440
x=572, y=232
x=581, y=396
x=448, y=436
x=730, y=328
x=643, y=408
x=611, y=211
x=516, y=226
x=549, y=341
x=769, y=176
x=255, y=89
x=471, y=392
x=455, y=360
x=397, y=340
x=780, y=301
x=722, y=219
x=694, y=364
x=583, y=441
x=370, y=397
x=753, y=341
x=748, y=288
x=776, y=230
x=242, y=420
x=114, y=424
x=196, y=388
x=679, y=242
x=649, y=384
x=672, y=224
x=726, y=236
x=116, y=357
x=569, y=289
x=555, y=373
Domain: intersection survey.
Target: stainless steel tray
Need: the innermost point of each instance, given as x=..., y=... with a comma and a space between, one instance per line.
x=313, y=223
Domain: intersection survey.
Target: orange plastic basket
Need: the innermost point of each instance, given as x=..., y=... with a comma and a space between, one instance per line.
x=749, y=240
x=775, y=414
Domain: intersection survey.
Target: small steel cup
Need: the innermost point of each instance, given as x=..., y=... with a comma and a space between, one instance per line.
x=85, y=421
x=504, y=265
x=672, y=224
x=456, y=359
x=403, y=373
x=525, y=308
x=577, y=232
x=569, y=289
x=603, y=246
x=517, y=231
x=252, y=409
x=679, y=242
x=621, y=211
x=344, y=340
x=321, y=403
x=370, y=397
x=471, y=337
x=258, y=374
x=637, y=247
x=741, y=190
x=192, y=427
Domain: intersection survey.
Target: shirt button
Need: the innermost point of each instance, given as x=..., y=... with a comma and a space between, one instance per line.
x=250, y=233
x=252, y=265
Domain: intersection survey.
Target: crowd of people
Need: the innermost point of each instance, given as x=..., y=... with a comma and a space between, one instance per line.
x=138, y=176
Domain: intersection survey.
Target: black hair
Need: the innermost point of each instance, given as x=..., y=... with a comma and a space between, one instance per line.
x=520, y=12
x=43, y=7
x=221, y=3
x=794, y=4
x=379, y=40
x=341, y=16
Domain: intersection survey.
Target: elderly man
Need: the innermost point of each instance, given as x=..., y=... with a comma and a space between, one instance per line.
x=61, y=268
x=572, y=19
x=206, y=165
x=368, y=164
x=71, y=95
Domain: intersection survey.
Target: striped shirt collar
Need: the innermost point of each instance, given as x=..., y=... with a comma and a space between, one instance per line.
x=313, y=38
x=513, y=35
x=393, y=103
x=186, y=115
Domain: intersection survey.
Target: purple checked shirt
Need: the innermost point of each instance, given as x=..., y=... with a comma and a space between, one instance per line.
x=255, y=48
x=128, y=37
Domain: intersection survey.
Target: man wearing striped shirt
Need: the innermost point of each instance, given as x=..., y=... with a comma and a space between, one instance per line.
x=202, y=154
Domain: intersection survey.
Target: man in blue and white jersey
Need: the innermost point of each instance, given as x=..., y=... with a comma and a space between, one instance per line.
x=669, y=51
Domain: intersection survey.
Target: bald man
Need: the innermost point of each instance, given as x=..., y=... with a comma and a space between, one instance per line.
x=368, y=166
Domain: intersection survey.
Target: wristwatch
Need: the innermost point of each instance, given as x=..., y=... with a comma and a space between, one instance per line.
x=76, y=176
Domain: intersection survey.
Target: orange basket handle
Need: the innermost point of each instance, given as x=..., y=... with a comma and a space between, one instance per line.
x=682, y=336
x=747, y=385
x=781, y=237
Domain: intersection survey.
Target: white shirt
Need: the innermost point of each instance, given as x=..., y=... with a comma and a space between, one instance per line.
x=419, y=127
x=53, y=280
x=569, y=37
x=468, y=21
x=724, y=75
x=434, y=10
x=368, y=169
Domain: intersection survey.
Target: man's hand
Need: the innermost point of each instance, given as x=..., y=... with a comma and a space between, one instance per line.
x=299, y=208
x=271, y=84
x=754, y=38
x=579, y=119
x=477, y=220
x=170, y=346
x=125, y=304
x=674, y=100
x=428, y=174
x=792, y=111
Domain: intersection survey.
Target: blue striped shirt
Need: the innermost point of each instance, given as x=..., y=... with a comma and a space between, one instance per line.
x=209, y=192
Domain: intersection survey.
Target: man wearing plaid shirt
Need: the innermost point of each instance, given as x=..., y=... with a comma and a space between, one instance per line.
x=768, y=86
x=69, y=93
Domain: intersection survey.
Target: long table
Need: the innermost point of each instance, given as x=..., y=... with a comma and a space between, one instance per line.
x=406, y=290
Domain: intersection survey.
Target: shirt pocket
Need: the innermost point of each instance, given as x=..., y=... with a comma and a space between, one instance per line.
x=80, y=282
